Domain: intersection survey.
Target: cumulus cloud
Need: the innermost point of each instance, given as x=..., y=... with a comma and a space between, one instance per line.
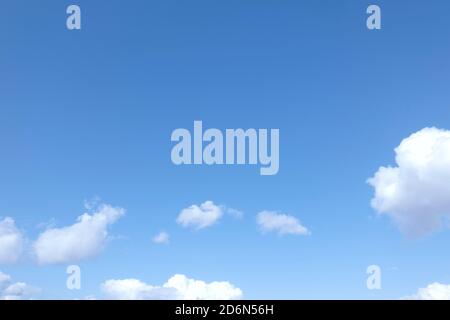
x=84, y=239
x=415, y=194
x=178, y=287
x=161, y=238
x=434, y=291
x=283, y=224
x=11, y=241
x=15, y=291
x=200, y=217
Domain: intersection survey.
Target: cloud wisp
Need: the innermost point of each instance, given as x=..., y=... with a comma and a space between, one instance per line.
x=161, y=238
x=11, y=241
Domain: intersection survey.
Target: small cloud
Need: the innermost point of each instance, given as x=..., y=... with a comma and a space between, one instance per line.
x=15, y=291
x=178, y=287
x=84, y=239
x=238, y=214
x=92, y=203
x=161, y=238
x=270, y=221
x=200, y=217
x=11, y=241
x=47, y=225
x=393, y=268
x=4, y=278
x=434, y=291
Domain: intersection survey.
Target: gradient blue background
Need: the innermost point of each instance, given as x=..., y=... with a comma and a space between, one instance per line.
x=89, y=113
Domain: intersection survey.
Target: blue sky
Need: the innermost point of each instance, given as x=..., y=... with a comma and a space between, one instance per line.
x=89, y=113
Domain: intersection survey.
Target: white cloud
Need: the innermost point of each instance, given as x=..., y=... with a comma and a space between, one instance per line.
x=161, y=238
x=133, y=289
x=178, y=287
x=84, y=239
x=18, y=291
x=416, y=193
x=280, y=223
x=15, y=291
x=199, y=217
x=434, y=291
x=11, y=241
x=190, y=289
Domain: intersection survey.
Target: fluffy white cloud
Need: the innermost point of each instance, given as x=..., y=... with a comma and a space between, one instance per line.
x=199, y=217
x=161, y=238
x=178, y=287
x=18, y=291
x=190, y=289
x=15, y=291
x=84, y=239
x=416, y=193
x=11, y=241
x=280, y=223
x=434, y=291
x=133, y=289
